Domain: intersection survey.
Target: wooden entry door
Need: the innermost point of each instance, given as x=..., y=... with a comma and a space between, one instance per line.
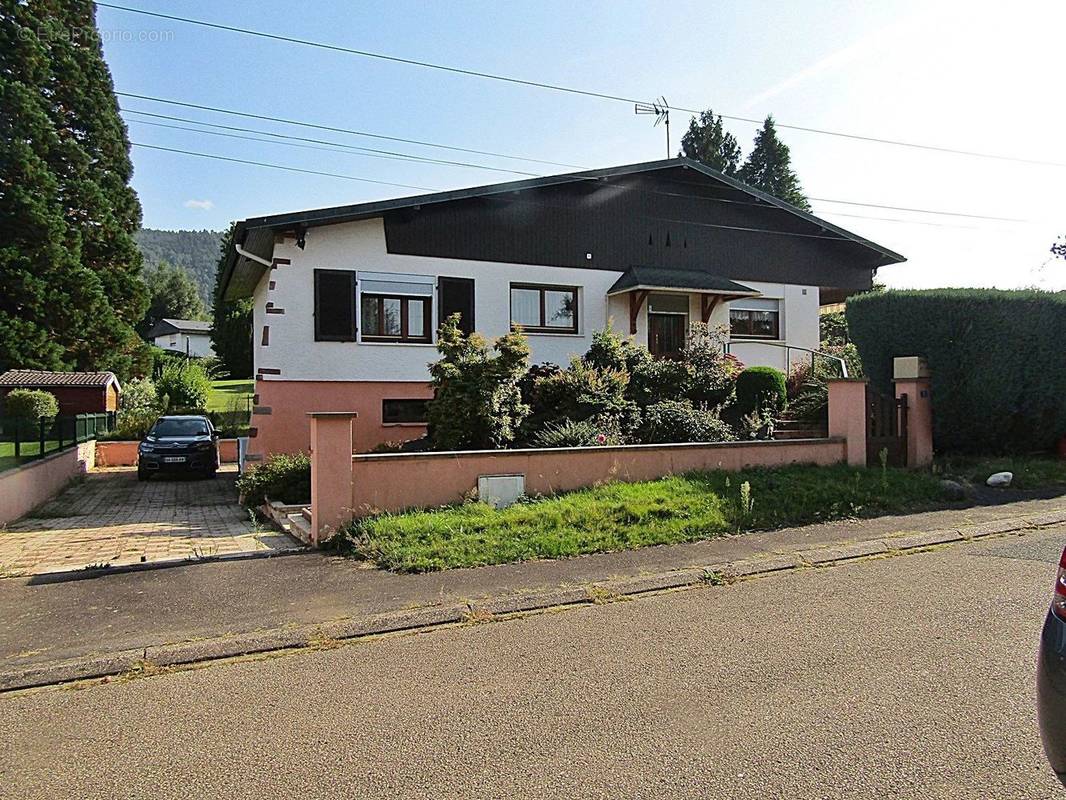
x=666, y=334
x=886, y=428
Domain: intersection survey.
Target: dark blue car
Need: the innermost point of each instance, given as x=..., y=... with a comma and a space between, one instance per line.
x=1051, y=677
x=186, y=444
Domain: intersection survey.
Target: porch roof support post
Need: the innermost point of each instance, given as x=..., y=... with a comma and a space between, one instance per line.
x=847, y=416
x=708, y=303
x=636, y=300
x=331, y=472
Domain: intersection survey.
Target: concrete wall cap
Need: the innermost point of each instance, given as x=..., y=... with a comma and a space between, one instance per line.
x=348, y=414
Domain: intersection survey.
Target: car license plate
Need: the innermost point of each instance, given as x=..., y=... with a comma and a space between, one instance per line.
x=174, y=459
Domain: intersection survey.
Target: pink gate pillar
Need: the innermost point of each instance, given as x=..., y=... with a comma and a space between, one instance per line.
x=331, y=472
x=847, y=416
x=910, y=375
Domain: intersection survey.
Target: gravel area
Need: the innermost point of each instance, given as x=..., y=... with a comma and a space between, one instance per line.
x=907, y=677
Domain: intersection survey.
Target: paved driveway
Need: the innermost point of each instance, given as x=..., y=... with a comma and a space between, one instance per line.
x=113, y=519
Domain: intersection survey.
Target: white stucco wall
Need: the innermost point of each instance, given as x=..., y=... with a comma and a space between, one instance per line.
x=360, y=246
x=193, y=344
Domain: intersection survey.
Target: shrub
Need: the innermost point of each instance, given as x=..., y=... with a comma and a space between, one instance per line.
x=998, y=372
x=711, y=373
x=760, y=390
x=476, y=402
x=139, y=407
x=583, y=392
x=30, y=405
x=680, y=421
x=185, y=384
x=586, y=433
x=282, y=477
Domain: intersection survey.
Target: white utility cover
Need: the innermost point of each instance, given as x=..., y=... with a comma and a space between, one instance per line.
x=500, y=491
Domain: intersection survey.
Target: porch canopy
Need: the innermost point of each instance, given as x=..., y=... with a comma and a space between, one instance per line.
x=639, y=282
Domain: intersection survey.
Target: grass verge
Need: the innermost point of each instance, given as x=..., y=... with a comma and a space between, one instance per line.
x=1030, y=472
x=623, y=516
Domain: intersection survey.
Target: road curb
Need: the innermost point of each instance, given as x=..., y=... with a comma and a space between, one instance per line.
x=429, y=617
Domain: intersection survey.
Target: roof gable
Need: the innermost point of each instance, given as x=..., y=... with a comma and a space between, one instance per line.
x=257, y=234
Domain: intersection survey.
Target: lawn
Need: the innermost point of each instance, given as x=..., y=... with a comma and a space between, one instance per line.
x=624, y=516
x=231, y=395
x=1030, y=472
x=26, y=450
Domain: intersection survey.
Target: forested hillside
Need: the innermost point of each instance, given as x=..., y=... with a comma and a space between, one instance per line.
x=194, y=251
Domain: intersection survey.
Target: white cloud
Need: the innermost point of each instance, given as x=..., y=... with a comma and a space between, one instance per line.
x=203, y=205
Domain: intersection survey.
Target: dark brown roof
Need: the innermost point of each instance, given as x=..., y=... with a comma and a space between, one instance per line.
x=35, y=377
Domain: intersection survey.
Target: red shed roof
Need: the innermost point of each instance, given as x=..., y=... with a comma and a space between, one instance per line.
x=37, y=377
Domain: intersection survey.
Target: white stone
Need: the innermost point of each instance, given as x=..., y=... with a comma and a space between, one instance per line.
x=1000, y=480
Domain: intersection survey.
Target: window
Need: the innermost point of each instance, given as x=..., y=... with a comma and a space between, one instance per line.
x=456, y=296
x=758, y=318
x=544, y=309
x=403, y=411
x=395, y=308
x=334, y=305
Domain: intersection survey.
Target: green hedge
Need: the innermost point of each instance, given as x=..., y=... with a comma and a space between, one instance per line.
x=997, y=360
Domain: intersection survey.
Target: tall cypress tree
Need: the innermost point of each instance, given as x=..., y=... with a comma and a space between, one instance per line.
x=769, y=168
x=709, y=143
x=231, y=322
x=69, y=269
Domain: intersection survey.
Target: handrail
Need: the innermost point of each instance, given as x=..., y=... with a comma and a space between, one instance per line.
x=788, y=351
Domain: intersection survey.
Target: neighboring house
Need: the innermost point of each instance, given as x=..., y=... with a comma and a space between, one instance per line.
x=77, y=392
x=190, y=337
x=347, y=300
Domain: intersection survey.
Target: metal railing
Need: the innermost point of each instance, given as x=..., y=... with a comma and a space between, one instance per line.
x=788, y=348
x=23, y=440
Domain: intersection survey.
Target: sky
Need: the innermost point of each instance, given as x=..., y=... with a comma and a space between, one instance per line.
x=977, y=76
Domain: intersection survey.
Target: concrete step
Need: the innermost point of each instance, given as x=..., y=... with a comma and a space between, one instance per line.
x=299, y=526
x=306, y=512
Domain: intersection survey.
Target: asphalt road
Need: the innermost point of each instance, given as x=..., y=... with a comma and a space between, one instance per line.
x=906, y=677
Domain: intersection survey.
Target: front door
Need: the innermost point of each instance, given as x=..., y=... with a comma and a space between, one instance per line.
x=667, y=324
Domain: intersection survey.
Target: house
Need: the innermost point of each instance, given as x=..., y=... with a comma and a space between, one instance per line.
x=347, y=299
x=76, y=392
x=190, y=337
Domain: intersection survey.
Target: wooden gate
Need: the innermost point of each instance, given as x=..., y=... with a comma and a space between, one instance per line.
x=886, y=428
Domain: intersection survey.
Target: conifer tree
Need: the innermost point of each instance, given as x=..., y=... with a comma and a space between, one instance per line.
x=231, y=322
x=709, y=143
x=769, y=168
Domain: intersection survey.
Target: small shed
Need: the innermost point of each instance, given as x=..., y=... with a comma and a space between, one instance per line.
x=77, y=392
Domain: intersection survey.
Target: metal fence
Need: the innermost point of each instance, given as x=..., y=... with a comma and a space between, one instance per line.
x=23, y=440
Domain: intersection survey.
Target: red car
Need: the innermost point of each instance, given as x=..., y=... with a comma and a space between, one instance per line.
x=1051, y=677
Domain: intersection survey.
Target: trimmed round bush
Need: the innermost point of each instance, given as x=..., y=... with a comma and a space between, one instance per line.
x=762, y=390
x=680, y=421
x=31, y=404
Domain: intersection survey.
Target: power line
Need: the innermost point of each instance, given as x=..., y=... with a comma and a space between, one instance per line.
x=568, y=89
x=430, y=160
x=348, y=131
x=279, y=166
x=332, y=148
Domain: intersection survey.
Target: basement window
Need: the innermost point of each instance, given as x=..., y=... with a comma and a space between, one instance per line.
x=399, y=412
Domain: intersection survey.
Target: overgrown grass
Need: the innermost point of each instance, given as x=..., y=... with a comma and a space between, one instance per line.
x=623, y=516
x=230, y=394
x=1030, y=472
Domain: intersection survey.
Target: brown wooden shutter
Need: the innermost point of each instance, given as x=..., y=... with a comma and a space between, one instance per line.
x=334, y=305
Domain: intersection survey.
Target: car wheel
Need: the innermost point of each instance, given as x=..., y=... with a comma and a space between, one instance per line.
x=142, y=474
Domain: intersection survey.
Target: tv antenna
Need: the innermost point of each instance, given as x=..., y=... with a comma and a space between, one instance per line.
x=661, y=109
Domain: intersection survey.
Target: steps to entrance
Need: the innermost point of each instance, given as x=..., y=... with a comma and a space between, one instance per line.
x=300, y=524
x=799, y=429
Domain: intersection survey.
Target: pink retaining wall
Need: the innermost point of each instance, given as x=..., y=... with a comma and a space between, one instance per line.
x=24, y=488
x=124, y=454
x=395, y=481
